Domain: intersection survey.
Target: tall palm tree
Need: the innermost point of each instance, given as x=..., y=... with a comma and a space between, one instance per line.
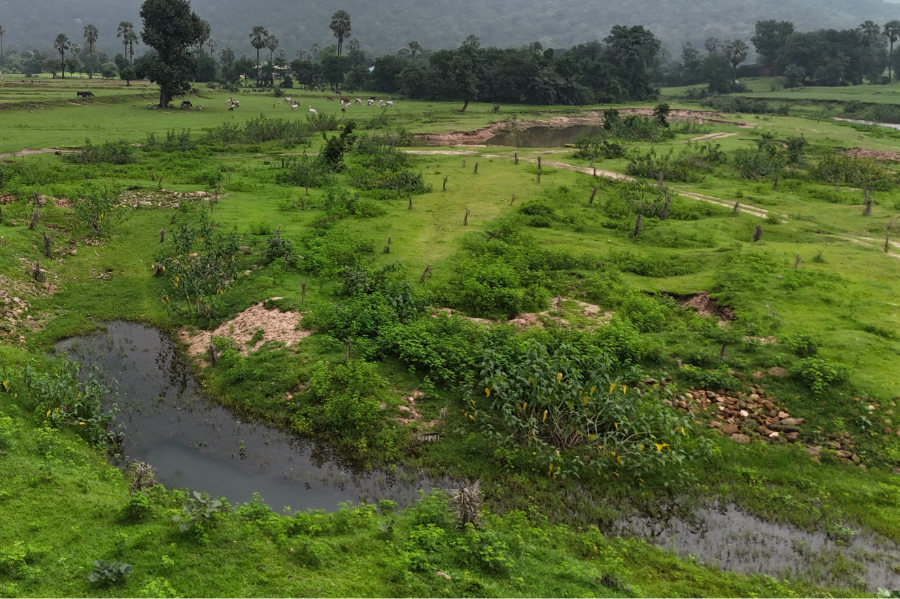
x=213, y=44
x=90, y=36
x=61, y=45
x=340, y=26
x=868, y=35
x=122, y=31
x=314, y=50
x=272, y=45
x=414, y=47
x=353, y=45
x=132, y=38
x=892, y=32
x=736, y=53
x=258, y=37
x=2, y=33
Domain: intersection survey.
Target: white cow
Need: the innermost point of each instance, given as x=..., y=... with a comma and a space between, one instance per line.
x=358, y=101
x=371, y=102
x=390, y=103
x=312, y=110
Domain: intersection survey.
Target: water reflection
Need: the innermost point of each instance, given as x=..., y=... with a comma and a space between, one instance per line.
x=542, y=137
x=196, y=444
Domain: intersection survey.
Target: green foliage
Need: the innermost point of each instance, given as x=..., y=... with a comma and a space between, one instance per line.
x=345, y=397
x=769, y=158
x=306, y=171
x=260, y=130
x=688, y=166
x=805, y=346
x=340, y=203
x=109, y=572
x=200, y=265
x=114, y=152
x=199, y=511
x=96, y=209
x=137, y=507
x=839, y=169
x=63, y=399
x=591, y=147
x=176, y=141
x=719, y=378
x=656, y=265
x=158, y=588
x=567, y=413
x=820, y=375
x=382, y=166
x=279, y=247
x=328, y=253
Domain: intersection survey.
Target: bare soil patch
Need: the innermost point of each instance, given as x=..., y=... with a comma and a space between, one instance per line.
x=706, y=306
x=480, y=136
x=712, y=136
x=275, y=324
x=876, y=154
x=27, y=152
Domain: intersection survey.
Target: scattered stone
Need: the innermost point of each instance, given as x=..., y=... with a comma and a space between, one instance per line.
x=739, y=438
x=774, y=435
x=744, y=413
x=783, y=415
x=843, y=454
x=757, y=376
x=793, y=436
x=443, y=574
x=887, y=430
x=855, y=458
x=778, y=372
x=730, y=429
x=813, y=450
x=793, y=421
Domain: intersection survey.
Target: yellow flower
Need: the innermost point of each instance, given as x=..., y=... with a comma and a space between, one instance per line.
x=6, y=384
x=545, y=416
x=660, y=446
x=81, y=423
x=48, y=414
x=585, y=400
x=624, y=389
x=558, y=377
x=525, y=406
x=619, y=458
x=617, y=425
x=612, y=387
x=592, y=389
x=682, y=432
x=487, y=391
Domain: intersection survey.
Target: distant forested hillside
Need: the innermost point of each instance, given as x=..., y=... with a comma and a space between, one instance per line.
x=382, y=27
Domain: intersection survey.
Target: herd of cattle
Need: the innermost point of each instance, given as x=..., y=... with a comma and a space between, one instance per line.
x=232, y=104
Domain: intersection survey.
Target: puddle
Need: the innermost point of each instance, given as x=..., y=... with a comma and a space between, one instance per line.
x=201, y=446
x=542, y=137
x=735, y=541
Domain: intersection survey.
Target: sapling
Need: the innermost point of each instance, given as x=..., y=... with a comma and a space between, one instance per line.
x=464, y=162
x=867, y=203
x=517, y=158
x=466, y=218
x=410, y=202
x=174, y=214
x=737, y=208
x=159, y=183
x=152, y=174
x=667, y=205
x=303, y=292
x=34, y=218
x=539, y=175
x=513, y=199
x=797, y=261
x=213, y=354
x=425, y=273
x=757, y=234
x=36, y=272
x=465, y=504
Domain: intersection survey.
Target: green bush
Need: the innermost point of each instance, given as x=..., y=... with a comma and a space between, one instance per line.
x=109, y=572
x=114, y=152
x=346, y=396
x=805, y=346
x=137, y=507
x=820, y=375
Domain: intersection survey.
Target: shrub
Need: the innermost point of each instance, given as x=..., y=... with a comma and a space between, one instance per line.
x=819, y=375
x=306, y=171
x=137, y=507
x=109, y=572
x=115, y=152
x=176, y=141
x=805, y=346
x=199, y=510
x=95, y=208
x=566, y=411
x=346, y=394
x=278, y=247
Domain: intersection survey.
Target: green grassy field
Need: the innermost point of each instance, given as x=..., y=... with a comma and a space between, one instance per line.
x=818, y=278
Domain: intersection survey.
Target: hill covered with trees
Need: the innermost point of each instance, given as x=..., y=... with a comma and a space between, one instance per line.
x=384, y=28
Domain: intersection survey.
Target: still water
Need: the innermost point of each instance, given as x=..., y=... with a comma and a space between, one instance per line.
x=542, y=137
x=201, y=446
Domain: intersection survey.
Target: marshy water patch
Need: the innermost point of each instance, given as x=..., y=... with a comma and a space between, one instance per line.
x=542, y=137
x=196, y=444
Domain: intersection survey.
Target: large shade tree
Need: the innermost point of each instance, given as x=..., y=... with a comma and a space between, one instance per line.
x=62, y=45
x=340, y=27
x=258, y=36
x=170, y=28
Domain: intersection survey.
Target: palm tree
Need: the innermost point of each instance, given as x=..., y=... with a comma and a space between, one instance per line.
x=132, y=38
x=414, y=47
x=353, y=45
x=300, y=54
x=258, y=37
x=2, y=33
x=868, y=35
x=61, y=45
x=892, y=32
x=314, y=50
x=340, y=25
x=122, y=31
x=736, y=53
x=90, y=36
x=272, y=45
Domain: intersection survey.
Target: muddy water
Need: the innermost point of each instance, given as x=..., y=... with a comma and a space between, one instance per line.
x=735, y=541
x=201, y=446
x=859, y=122
x=542, y=137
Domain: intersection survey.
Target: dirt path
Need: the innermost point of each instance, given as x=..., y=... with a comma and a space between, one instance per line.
x=712, y=136
x=73, y=103
x=27, y=152
x=746, y=208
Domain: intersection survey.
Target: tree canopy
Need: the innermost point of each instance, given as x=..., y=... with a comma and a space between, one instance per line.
x=170, y=28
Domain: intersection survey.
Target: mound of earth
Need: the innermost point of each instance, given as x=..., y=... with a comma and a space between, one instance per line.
x=275, y=324
x=706, y=306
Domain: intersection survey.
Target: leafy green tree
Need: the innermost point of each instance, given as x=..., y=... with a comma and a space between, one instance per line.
x=633, y=50
x=90, y=36
x=690, y=60
x=717, y=71
x=794, y=76
x=258, y=37
x=73, y=64
x=170, y=28
x=62, y=45
x=51, y=65
x=464, y=70
x=712, y=45
x=340, y=27
x=736, y=53
x=121, y=61
x=244, y=66
x=333, y=70
x=414, y=47
x=892, y=33
x=128, y=74
x=770, y=37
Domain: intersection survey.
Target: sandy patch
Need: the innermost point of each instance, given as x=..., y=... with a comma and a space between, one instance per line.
x=276, y=326
x=27, y=152
x=712, y=136
x=77, y=104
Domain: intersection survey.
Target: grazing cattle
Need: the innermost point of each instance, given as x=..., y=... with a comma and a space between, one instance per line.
x=371, y=102
x=372, y=98
x=231, y=108
x=295, y=106
x=85, y=94
x=358, y=101
x=345, y=100
x=381, y=103
x=237, y=103
x=289, y=100
x=199, y=108
x=329, y=98
x=186, y=104
x=150, y=105
x=390, y=103
x=312, y=110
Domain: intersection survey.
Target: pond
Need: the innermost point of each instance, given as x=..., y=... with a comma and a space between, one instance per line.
x=542, y=137
x=196, y=444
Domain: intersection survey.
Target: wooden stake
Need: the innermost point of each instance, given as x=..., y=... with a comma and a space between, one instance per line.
x=445, y=184
x=757, y=234
x=517, y=158
x=425, y=273
x=466, y=218
x=303, y=292
x=475, y=172
x=387, y=248
x=593, y=195
x=162, y=235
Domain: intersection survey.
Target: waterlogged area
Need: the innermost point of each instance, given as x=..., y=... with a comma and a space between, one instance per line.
x=861, y=122
x=735, y=541
x=542, y=137
x=201, y=446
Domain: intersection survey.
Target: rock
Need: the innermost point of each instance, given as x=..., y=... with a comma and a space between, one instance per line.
x=833, y=444
x=887, y=430
x=757, y=376
x=862, y=466
x=768, y=404
x=785, y=429
x=744, y=413
x=739, y=438
x=855, y=458
x=782, y=415
x=773, y=435
x=778, y=372
x=715, y=424
x=730, y=429
x=403, y=409
x=793, y=421
x=443, y=575
x=738, y=375
x=754, y=397
x=792, y=436
x=74, y=252
x=843, y=454
x=766, y=432
x=813, y=450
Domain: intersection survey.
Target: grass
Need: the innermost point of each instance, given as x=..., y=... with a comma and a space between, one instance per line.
x=847, y=301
